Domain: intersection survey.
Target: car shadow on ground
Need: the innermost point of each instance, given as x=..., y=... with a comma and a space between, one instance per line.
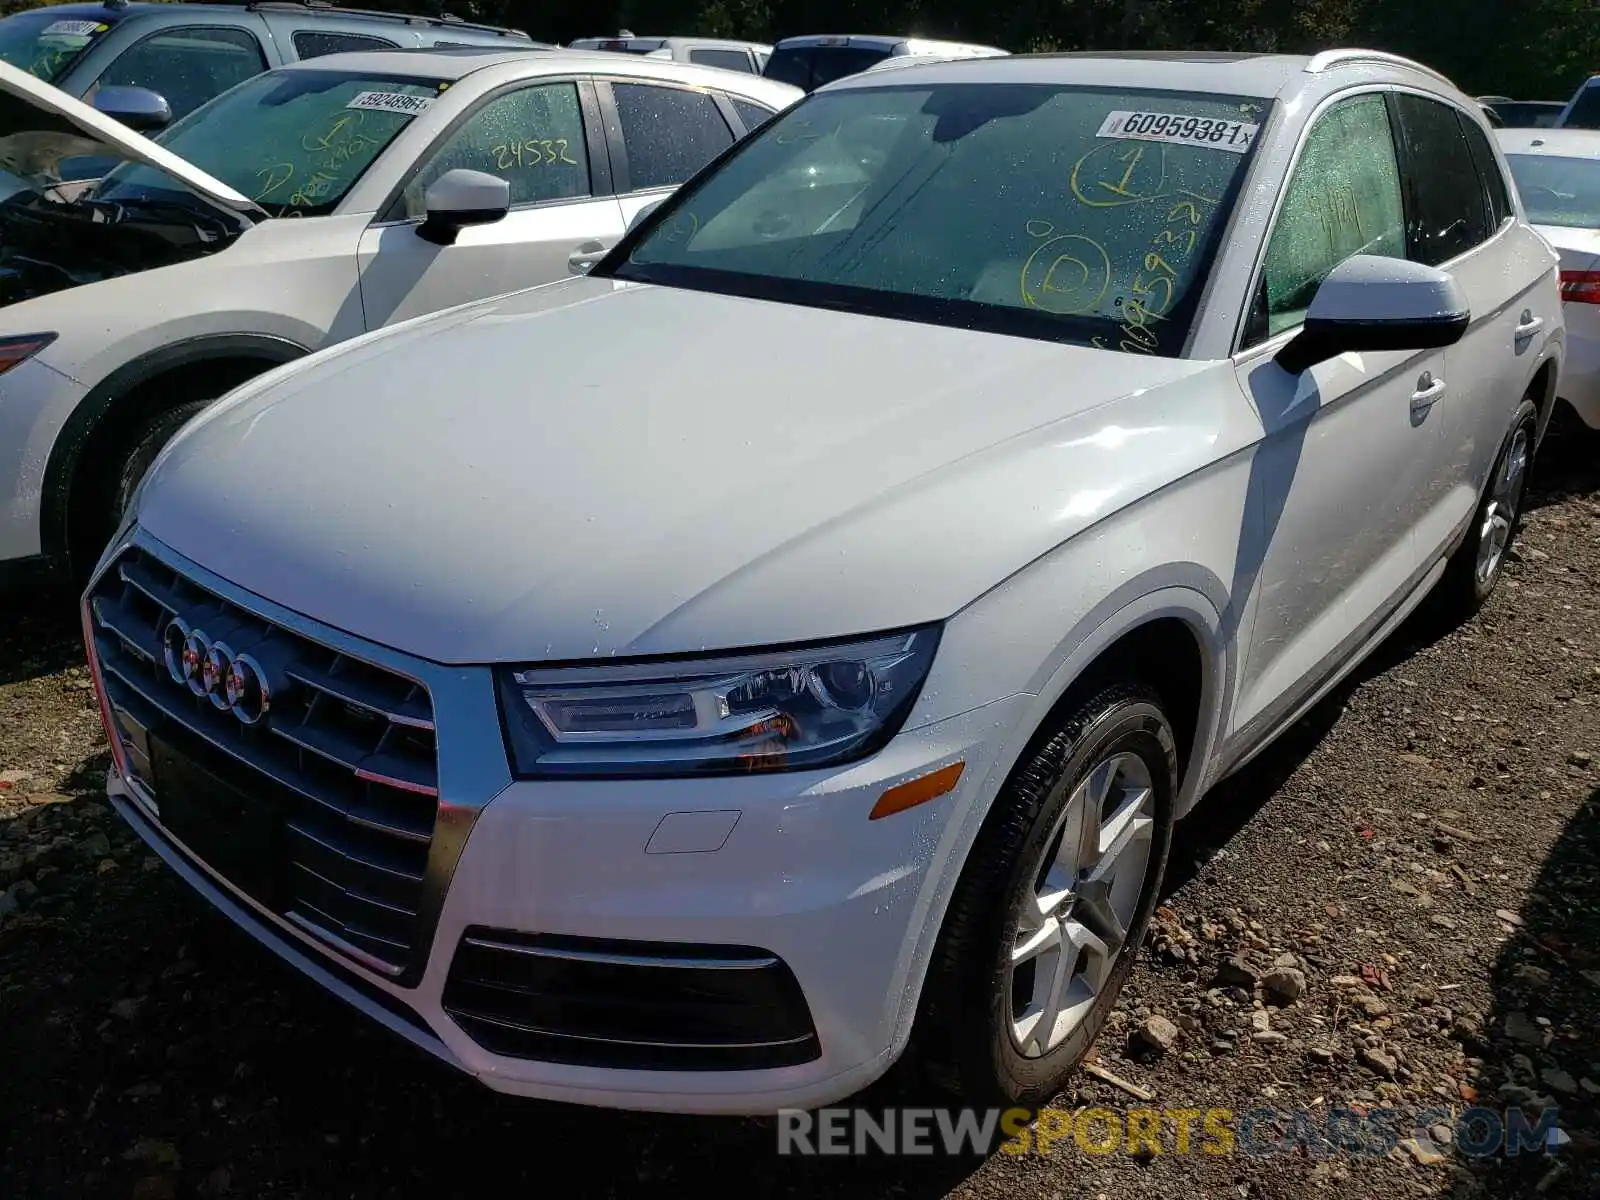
x=1540, y=1044
x=39, y=634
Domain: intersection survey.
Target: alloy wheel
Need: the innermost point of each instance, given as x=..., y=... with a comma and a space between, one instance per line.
x=1073, y=916
x=1500, y=513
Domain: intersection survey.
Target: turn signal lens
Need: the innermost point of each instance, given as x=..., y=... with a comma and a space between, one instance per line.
x=917, y=791
x=1580, y=287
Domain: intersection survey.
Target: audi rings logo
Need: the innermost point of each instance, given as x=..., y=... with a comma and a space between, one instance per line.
x=232, y=682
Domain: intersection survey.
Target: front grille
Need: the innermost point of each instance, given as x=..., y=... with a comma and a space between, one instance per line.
x=639, y=1005
x=332, y=793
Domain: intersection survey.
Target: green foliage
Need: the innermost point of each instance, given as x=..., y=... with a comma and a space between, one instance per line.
x=1531, y=49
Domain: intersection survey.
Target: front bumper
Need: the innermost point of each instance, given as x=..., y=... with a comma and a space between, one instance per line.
x=778, y=877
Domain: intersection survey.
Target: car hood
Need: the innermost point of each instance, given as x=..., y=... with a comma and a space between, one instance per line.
x=595, y=468
x=40, y=125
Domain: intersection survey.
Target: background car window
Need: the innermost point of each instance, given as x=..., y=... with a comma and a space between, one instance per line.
x=1494, y=180
x=1558, y=190
x=532, y=138
x=753, y=115
x=728, y=60
x=1343, y=199
x=1585, y=112
x=670, y=133
x=188, y=66
x=313, y=43
x=811, y=67
x=1446, y=214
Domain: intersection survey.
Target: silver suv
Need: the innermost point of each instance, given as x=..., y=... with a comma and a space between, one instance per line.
x=188, y=53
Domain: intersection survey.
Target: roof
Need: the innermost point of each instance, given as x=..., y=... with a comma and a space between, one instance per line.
x=457, y=63
x=1255, y=75
x=1562, y=143
x=320, y=10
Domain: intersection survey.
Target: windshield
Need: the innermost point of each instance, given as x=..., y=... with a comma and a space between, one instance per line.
x=1558, y=191
x=1065, y=213
x=44, y=43
x=809, y=67
x=293, y=141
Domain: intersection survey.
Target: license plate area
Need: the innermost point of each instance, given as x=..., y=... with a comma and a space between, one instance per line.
x=237, y=834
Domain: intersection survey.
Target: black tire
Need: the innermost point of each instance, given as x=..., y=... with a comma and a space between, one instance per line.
x=1464, y=586
x=963, y=1040
x=107, y=498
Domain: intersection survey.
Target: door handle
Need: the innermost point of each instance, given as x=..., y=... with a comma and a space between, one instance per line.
x=1528, y=325
x=585, y=255
x=1427, y=394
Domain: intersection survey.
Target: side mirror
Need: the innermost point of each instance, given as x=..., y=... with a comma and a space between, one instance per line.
x=1373, y=303
x=638, y=217
x=460, y=198
x=136, y=107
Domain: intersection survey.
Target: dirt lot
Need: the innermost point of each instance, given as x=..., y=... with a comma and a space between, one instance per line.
x=1423, y=848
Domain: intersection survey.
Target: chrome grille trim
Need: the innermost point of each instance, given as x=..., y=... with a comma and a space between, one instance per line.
x=350, y=767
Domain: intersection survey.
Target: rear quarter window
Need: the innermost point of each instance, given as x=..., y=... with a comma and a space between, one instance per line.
x=313, y=43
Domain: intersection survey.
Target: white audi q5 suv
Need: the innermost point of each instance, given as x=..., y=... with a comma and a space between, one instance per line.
x=691, y=685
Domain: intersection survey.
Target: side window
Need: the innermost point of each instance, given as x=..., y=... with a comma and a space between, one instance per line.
x=187, y=66
x=1494, y=182
x=728, y=60
x=1343, y=199
x=313, y=43
x=532, y=138
x=1445, y=214
x=753, y=115
x=670, y=133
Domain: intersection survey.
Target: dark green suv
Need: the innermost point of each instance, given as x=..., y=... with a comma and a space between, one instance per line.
x=188, y=53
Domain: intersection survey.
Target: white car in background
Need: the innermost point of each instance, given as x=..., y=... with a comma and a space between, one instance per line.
x=702, y=52
x=1557, y=172
x=690, y=685
x=306, y=205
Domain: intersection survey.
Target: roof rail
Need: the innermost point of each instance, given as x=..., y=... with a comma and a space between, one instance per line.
x=449, y=20
x=1327, y=59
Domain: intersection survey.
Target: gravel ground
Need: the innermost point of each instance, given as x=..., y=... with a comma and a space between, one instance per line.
x=1398, y=906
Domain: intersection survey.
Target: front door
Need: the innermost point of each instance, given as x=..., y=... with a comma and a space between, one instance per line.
x=533, y=136
x=1340, y=476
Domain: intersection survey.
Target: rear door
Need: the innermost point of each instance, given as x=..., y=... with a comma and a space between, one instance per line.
x=545, y=139
x=1459, y=218
x=314, y=43
x=661, y=134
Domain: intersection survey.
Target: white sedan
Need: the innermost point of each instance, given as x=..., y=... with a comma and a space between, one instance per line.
x=306, y=205
x=1557, y=172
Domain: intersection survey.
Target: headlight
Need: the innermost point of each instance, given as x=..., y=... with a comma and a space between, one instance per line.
x=785, y=710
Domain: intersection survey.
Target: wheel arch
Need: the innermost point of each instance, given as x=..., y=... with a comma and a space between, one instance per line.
x=1173, y=639
x=128, y=395
x=1134, y=631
